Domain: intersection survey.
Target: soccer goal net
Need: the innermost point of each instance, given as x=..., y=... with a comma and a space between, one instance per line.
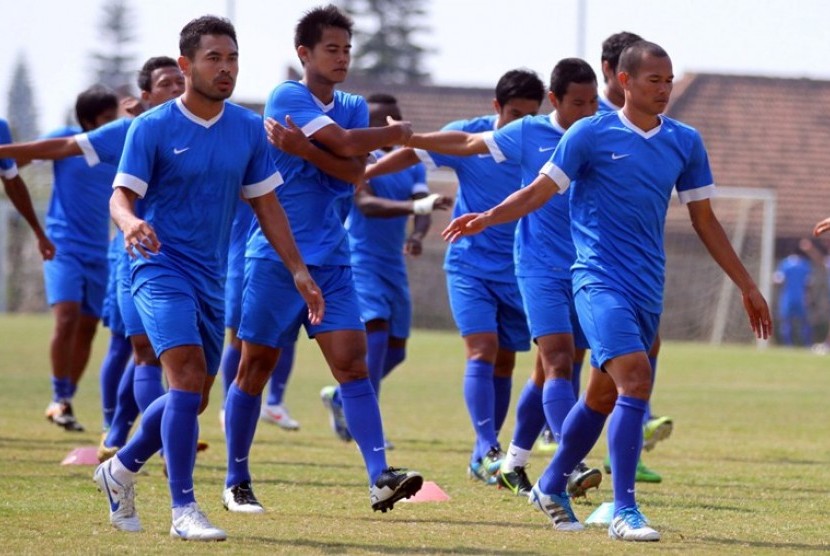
x=701, y=302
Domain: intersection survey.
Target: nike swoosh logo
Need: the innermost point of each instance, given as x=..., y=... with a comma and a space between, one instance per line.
x=187, y=491
x=485, y=156
x=484, y=422
x=180, y=151
x=630, y=490
x=545, y=149
x=514, y=454
x=378, y=449
x=113, y=504
x=138, y=461
x=615, y=156
x=240, y=460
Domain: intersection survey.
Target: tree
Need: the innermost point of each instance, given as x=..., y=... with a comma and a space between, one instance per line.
x=385, y=47
x=22, y=114
x=115, y=62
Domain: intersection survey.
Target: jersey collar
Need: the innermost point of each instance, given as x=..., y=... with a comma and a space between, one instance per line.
x=196, y=119
x=555, y=123
x=644, y=134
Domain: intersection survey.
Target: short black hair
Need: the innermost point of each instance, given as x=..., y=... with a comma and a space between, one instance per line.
x=145, y=74
x=567, y=71
x=519, y=83
x=381, y=98
x=309, y=30
x=614, y=45
x=191, y=35
x=632, y=56
x=92, y=102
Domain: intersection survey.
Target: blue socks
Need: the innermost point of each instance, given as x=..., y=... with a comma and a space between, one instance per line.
x=558, y=399
x=147, y=439
x=112, y=367
x=502, y=387
x=625, y=440
x=179, y=432
x=530, y=417
x=653, y=362
x=241, y=415
x=126, y=410
x=580, y=432
x=147, y=385
x=279, y=378
x=61, y=389
x=394, y=357
x=229, y=366
x=377, y=343
x=360, y=406
x=576, y=377
x=480, y=395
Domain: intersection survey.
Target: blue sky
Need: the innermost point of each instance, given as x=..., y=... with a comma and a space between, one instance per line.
x=475, y=40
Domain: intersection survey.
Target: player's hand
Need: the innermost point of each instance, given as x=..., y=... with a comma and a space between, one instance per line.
x=465, y=225
x=405, y=129
x=758, y=312
x=311, y=293
x=130, y=106
x=140, y=239
x=46, y=248
x=821, y=227
x=288, y=138
x=413, y=246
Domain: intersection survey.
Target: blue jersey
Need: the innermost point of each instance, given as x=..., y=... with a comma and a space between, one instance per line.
x=78, y=218
x=380, y=241
x=240, y=229
x=623, y=179
x=8, y=167
x=604, y=105
x=190, y=172
x=543, y=238
x=482, y=184
x=106, y=143
x=316, y=204
x=793, y=273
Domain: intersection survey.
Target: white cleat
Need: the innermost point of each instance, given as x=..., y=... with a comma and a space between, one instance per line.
x=557, y=508
x=193, y=525
x=631, y=525
x=240, y=499
x=121, y=497
x=278, y=415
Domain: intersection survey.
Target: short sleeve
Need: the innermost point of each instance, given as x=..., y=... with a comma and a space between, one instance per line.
x=8, y=167
x=136, y=164
x=261, y=176
x=695, y=182
x=295, y=100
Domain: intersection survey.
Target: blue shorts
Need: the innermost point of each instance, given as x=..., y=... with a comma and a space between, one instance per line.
x=551, y=309
x=126, y=304
x=384, y=294
x=110, y=313
x=233, y=296
x=273, y=310
x=175, y=313
x=613, y=324
x=486, y=306
x=70, y=277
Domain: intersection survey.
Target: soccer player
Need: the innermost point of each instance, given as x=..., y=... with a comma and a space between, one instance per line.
x=622, y=167
x=481, y=280
x=189, y=160
x=317, y=194
x=77, y=222
x=159, y=80
x=544, y=253
x=378, y=242
x=792, y=275
x=655, y=428
x=18, y=194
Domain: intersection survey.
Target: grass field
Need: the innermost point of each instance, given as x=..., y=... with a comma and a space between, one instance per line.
x=746, y=471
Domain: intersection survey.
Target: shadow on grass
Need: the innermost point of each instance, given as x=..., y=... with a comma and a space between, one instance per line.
x=341, y=548
x=799, y=547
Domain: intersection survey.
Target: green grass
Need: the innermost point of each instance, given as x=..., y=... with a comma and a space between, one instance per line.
x=746, y=471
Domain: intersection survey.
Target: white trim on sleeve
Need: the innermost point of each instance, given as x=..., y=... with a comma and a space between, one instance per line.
x=697, y=194
x=89, y=152
x=9, y=173
x=130, y=182
x=555, y=173
x=316, y=125
x=262, y=188
x=426, y=158
x=493, y=147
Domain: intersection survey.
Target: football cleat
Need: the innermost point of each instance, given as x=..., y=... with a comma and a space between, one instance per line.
x=337, y=419
x=278, y=415
x=557, y=508
x=582, y=478
x=193, y=525
x=240, y=498
x=631, y=525
x=121, y=497
x=393, y=485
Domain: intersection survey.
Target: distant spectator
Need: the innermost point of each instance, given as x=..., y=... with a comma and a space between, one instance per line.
x=793, y=276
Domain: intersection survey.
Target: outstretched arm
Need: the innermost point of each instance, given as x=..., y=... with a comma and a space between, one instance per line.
x=380, y=207
x=18, y=194
x=275, y=226
x=517, y=204
x=458, y=143
x=711, y=233
x=290, y=139
x=43, y=149
x=393, y=162
x=362, y=141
